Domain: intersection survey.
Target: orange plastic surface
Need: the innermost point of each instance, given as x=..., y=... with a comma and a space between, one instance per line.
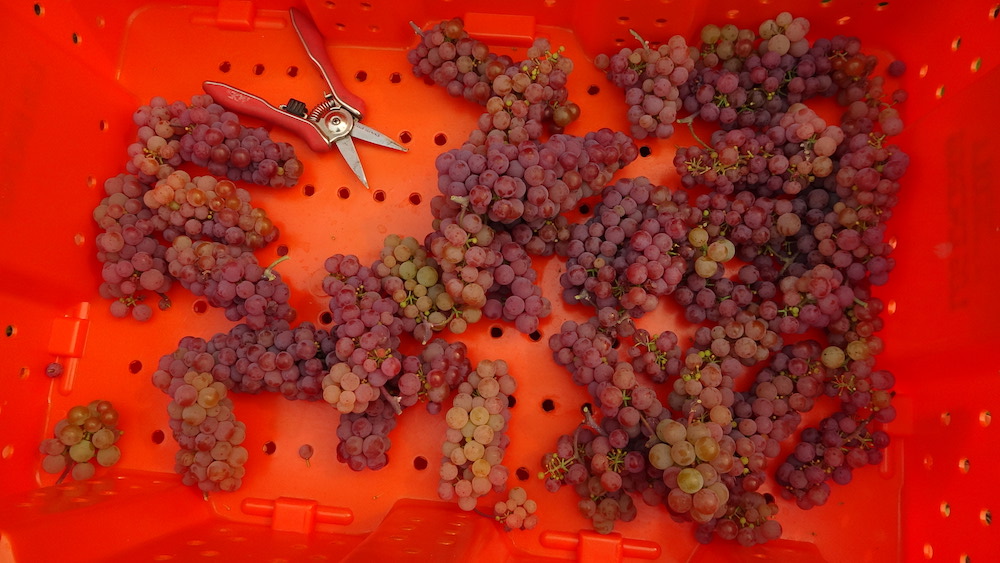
x=75, y=73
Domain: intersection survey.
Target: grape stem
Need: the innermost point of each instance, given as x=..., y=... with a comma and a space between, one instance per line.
x=643, y=42
x=416, y=29
x=69, y=467
x=268, y=273
x=689, y=120
x=392, y=401
x=588, y=420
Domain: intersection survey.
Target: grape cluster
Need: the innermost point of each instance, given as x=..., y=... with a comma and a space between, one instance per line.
x=778, y=232
x=496, y=210
x=207, y=135
x=87, y=435
x=517, y=512
x=475, y=440
x=521, y=97
x=154, y=203
x=230, y=278
x=651, y=79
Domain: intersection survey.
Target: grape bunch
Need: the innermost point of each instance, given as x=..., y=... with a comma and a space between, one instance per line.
x=778, y=232
x=517, y=512
x=496, y=209
x=229, y=277
x=207, y=135
x=86, y=436
x=520, y=96
x=651, y=79
x=146, y=209
x=413, y=279
x=476, y=439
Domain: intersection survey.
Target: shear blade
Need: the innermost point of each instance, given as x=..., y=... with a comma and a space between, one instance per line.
x=365, y=133
x=350, y=154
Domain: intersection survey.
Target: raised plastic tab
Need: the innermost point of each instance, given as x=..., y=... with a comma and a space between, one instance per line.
x=593, y=547
x=501, y=29
x=236, y=14
x=296, y=515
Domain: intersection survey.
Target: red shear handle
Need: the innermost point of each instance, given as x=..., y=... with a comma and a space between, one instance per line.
x=315, y=45
x=248, y=104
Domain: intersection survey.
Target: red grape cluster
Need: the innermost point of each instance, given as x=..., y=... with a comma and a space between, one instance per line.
x=651, y=79
x=780, y=231
x=205, y=134
x=146, y=209
x=520, y=96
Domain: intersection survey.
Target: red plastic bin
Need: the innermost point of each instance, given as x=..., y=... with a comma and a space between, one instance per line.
x=78, y=70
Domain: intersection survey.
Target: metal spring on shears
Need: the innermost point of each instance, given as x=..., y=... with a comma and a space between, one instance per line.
x=322, y=108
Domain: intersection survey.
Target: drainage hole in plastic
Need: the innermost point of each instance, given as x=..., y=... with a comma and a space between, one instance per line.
x=548, y=405
x=535, y=336
x=415, y=198
x=964, y=559
x=366, y=5
x=645, y=151
x=660, y=22
x=511, y=401
x=420, y=463
x=199, y=306
x=440, y=139
x=39, y=10
x=976, y=64
x=308, y=190
x=522, y=473
x=945, y=418
x=76, y=38
x=405, y=137
x=985, y=418
x=91, y=182
x=956, y=43
x=881, y=5
x=395, y=78
x=361, y=76
x=986, y=517
x=890, y=307
x=24, y=372
x=10, y=331
x=102, y=125
x=995, y=12
x=135, y=366
x=292, y=71
x=225, y=66
x=945, y=509
x=593, y=89
x=939, y=93
x=378, y=196
x=344, y=192
x=496, y=332
x=7, y=451
x=585, y=209
x=325, y=318
x=79, y=239
x=282, y=250
x=157, y=436
x=258, y=69
x=963, y=465
x=269, y=447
